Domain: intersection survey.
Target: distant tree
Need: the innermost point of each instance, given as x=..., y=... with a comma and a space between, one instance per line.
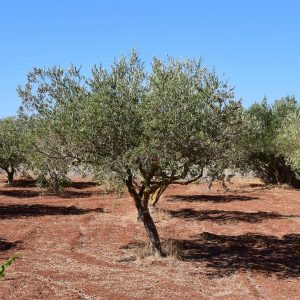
x=44, y=152
x=146, y=131
x=259, y=145
x=288, y=139
x=12, y=151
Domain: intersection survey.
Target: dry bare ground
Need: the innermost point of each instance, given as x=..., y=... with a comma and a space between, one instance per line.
x=240, y=244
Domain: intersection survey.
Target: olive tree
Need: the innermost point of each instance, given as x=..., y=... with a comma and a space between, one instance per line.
x=288, y=139
x=145, y=130
x=12, y=151
x=44, y=153
x=259, y=147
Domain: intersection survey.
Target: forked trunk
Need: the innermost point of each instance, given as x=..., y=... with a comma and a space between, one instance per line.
x=156, y=196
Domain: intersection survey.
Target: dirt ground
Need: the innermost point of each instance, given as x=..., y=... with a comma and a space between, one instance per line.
x=240, y=244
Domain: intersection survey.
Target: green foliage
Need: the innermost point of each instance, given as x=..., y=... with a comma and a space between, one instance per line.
x=51, y=108
x=5, y=265
x=44, y=154
x=288, y=139
x=259, y=144
x=12, y=150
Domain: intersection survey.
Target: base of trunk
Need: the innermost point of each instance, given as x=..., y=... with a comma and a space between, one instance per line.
x=151, y=232
x=10, y=178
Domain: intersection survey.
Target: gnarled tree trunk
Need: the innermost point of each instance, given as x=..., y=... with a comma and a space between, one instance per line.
x=151, y=230
x=141, y=199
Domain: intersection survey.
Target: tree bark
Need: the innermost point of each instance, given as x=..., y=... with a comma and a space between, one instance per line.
x=141, y=203
x=156, y=196
x=151, y=232
x=10, y=177
x=10, y=171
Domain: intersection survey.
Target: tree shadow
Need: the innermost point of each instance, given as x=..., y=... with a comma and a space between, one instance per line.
x=21, y=193
x=23, y=183
x=257, y=185
x=223, y=216
x=83, y=184
x=134, y=245
x=73, y=194
x=5, y=246
x=226, y=254
x=211, y=198
x=25, y=210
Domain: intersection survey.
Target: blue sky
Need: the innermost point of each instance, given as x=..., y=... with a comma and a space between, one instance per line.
x=255, y=43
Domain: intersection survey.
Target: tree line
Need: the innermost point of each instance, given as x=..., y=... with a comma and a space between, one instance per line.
x=145, y=130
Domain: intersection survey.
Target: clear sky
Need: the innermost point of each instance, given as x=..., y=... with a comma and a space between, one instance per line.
x=255, y=43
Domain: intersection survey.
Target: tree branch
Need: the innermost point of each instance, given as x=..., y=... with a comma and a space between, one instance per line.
x=188, y=181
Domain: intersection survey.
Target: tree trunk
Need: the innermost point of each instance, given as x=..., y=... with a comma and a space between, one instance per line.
x=141, y=199
x=156, y=196
x=10, y=177
x=151, y=231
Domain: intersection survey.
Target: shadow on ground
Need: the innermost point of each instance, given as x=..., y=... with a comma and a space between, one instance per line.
x=211, y=198
x=35, y=210
x=257, y=185
x=23, y=183
x=83, y=184
x=4, y=245
x=21, y=193
x=226, y=254
x=224, y=216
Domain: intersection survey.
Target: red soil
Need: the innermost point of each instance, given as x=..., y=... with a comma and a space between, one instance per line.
x=241, y=244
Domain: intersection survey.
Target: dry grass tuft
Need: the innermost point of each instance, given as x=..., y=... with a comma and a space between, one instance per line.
x=170, y=249
x=142, y=251
x=248, y=182
x=160, y=215
x=130, y=213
